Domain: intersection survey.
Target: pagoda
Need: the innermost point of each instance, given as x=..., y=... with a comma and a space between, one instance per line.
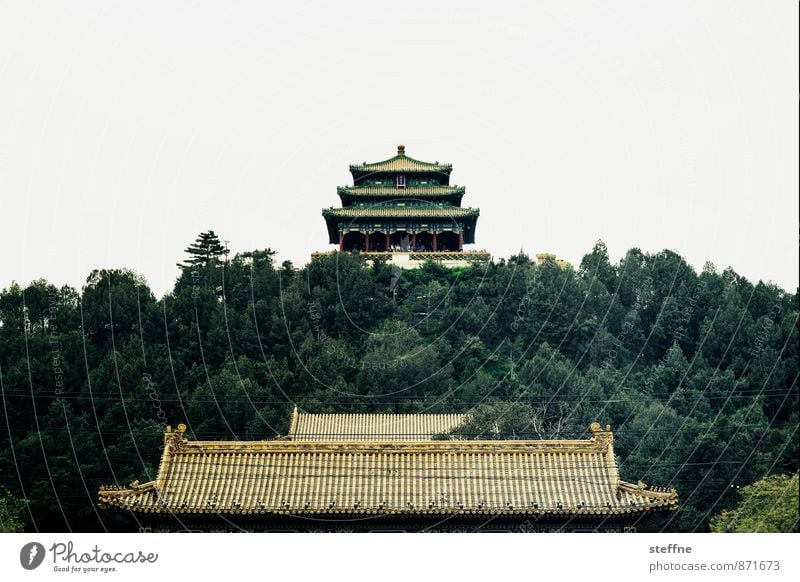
x=406, y=211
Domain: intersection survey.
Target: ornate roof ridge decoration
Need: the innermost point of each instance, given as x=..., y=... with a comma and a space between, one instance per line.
x=132, y=489
x=534, y=478
x=396, y=447
x=642, y=490
x=400, y=162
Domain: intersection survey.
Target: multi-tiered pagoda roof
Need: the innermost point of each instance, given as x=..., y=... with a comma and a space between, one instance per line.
x=403, y=205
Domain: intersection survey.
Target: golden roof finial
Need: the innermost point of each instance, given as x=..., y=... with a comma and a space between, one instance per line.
x=600, y=435
x=401, y=150
x=174, y=436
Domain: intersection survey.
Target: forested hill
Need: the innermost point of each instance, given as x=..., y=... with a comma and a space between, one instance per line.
x=696, y=372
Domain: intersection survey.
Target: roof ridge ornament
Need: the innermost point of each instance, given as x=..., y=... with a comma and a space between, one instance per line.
x=601, y=436
x=401, y=150
x=175, y=439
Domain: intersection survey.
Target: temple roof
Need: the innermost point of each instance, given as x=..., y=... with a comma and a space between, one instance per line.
x=400, y=163
x=365, y=427
x=382, y=477
x=401, y=212
x=407, y=192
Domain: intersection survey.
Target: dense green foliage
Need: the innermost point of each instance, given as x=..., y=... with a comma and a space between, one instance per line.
x=12, y=513
x=697, y=373
x=768, y=505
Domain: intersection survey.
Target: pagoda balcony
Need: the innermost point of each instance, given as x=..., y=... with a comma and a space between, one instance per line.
x=470, y=256
x=417, y=258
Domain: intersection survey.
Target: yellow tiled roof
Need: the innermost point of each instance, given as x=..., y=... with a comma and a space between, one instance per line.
x=401, y=163
x=483, y=478
x=369, y=427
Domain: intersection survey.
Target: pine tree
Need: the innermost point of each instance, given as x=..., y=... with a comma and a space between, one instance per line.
x=206, y=247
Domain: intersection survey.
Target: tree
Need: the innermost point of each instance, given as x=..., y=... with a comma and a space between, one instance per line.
x=767, y=506
x=12, y=513
x=504, y=421
x=398, y=365
x=113, y=304
x=204, y=249
x=596, y=265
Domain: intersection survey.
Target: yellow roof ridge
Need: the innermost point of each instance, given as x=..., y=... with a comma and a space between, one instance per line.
x=400, y=159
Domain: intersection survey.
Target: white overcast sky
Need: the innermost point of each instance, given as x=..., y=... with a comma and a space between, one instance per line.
x=126, y=128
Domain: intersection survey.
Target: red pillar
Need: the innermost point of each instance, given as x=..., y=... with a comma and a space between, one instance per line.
x=341, y=240
x=413, y=241
x=367, y=235
x=434, y=243
x=461, y=241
